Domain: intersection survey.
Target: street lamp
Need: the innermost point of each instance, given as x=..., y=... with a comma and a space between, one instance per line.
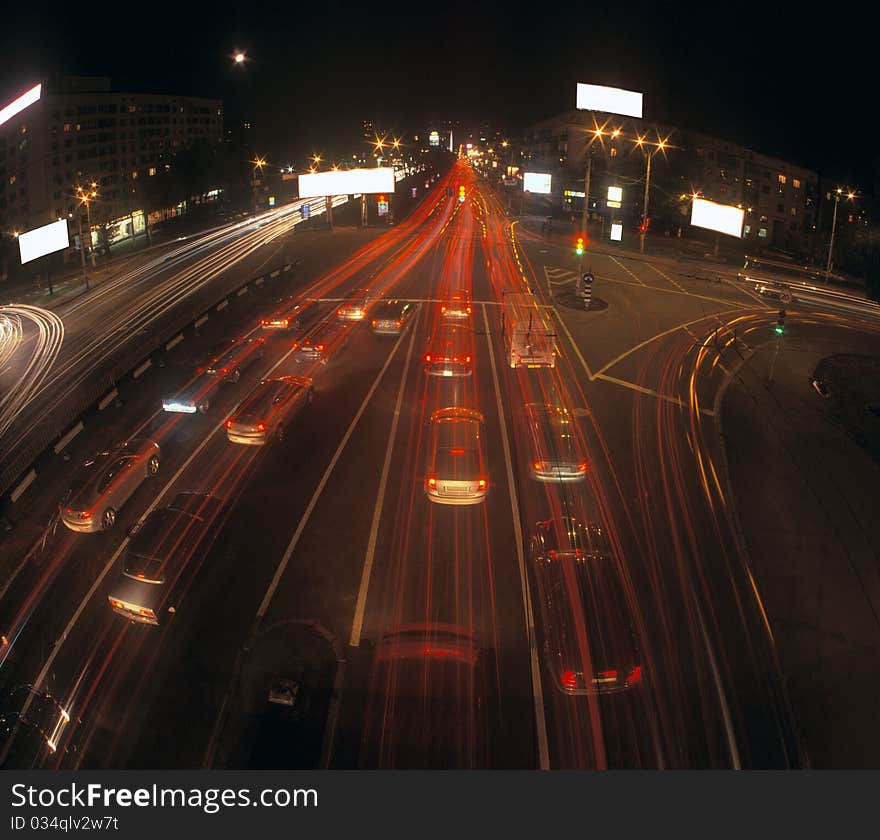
x=85, y=196
x=239, y=57
x=837, y=193
x=659, y=146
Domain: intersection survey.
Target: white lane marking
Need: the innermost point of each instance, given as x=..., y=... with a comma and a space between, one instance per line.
x=665, y=276
x=360, y=607
x=537, y=690
x=270, y=592
x=634, y=276
x=577, y=349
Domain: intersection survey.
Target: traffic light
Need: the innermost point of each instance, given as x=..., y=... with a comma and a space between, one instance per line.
x=461, y=193
x=779, y=327
x=383, y=205
x=579, y=246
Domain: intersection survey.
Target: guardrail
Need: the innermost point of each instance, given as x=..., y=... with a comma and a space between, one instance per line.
x=100, y=392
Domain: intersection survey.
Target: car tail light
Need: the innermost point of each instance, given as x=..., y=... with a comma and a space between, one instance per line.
x=229, y=423
x=428, y=358
x=397, y=324
x=338, y=311
x=634, y=676
x=146, y=613
x=200, y=370
x=482, y=484
x=568, y=679
x=115, y=603
x=607, y=675
x=467, y=360
x=373, y=324
x=468, y=310
x=295, y=345
x=320, y=346
x=261, y=427
x=538, y=466
x=582, y=466
x=141, y=575
x=264, y=321
x=432, y=482
x=224, y=371
x=443, y=308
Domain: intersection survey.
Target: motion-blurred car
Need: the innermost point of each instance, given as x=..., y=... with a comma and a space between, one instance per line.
x=450, y=350
x=230, y=365
x=320, y=343
x=285, y=319
x=32, y=725
x=426, y=706
x=103, y=484
x=267, y=409
x=555, y=449
x=590, y=645
x=456, y=473
x=156, y=567
x=779, y=291
x=456, y=305
x=356, y=307
x=390, y=317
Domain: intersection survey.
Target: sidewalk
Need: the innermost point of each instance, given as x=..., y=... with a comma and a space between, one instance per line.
x=805, y=494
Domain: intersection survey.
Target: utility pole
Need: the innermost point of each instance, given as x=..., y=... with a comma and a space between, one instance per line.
x=833, y=228
x=586, y=210
x=644, y=228
x=89, y=222
x=82, y=247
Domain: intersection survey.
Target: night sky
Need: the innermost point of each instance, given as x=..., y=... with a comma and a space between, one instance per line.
x=780, y=78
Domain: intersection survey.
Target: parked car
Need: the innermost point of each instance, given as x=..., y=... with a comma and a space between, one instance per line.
x=268, y=408
x=104, y=484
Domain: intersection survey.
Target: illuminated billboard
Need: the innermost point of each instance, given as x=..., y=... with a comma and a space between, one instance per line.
x=609, y=99
x=536, y=182
x=615, y=196
x=347, y=182
x=723, y=218
x=434, y=138
x=43, y=240
x=18, y=105
x=616, y=232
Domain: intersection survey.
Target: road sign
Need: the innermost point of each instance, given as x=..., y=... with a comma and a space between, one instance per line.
x=305, y=210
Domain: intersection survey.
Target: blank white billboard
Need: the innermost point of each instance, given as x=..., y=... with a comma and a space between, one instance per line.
x=616, y=232
x=723, y=218
x=347, y=182
x=18, y=105
x=536, y=182
x=609, y=99
x=43, y=240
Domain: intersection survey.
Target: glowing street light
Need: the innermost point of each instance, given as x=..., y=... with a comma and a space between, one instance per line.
x=239, y=57
x=850, y=194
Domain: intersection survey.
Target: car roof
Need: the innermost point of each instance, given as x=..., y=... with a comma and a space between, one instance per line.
x=263, y=396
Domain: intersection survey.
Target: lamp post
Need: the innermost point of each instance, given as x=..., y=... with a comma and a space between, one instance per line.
x=837, y=193
x=659, y=146
x=85, y=197
x=258, y=163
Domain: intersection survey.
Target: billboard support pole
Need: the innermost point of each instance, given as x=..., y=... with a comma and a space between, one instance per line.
x=717, y=241
x=328, y=203
x=82, y=247
x=586, y=210
x=643, y=231
x=363, y=210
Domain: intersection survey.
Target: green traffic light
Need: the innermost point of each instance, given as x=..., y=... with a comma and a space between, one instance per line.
x=779, y=329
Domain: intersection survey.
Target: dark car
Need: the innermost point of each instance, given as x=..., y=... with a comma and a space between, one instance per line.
x=321, y=342
x=156, y=565
x=426, y=706
x=589, y=642
x=390, y=317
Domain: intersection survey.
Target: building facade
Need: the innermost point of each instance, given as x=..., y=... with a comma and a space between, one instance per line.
x=780, y=198
x=80, y=132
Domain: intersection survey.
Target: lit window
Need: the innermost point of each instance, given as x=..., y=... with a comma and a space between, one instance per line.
x=152, y=171
x=134, y=174
x=796, y=183
x=762, y=232
x=747, y=230
x=782, y=179
x=794, y=211
x=613, y=152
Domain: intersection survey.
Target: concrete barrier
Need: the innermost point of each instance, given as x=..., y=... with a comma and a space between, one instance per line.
x=223, y=304
x=23, y=485
x=68, y=437
x=174, y=342
x=141, y=368
x=108, y=398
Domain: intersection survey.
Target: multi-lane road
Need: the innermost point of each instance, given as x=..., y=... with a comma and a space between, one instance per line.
x=406, y=632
